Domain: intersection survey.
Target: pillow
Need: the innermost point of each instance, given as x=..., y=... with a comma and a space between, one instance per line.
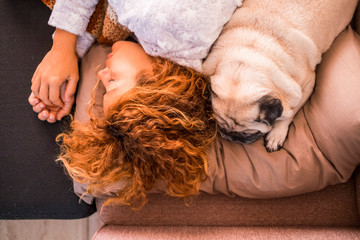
x=94, y=60
x=323, y=145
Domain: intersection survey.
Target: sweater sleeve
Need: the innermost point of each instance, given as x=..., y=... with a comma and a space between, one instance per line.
x=182, y=31
x=72, y=15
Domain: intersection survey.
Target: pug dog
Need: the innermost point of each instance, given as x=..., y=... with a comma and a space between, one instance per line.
x=262, y=66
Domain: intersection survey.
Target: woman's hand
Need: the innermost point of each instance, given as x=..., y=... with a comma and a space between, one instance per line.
x=48, y=113
x=58, y=68
x=45, y=113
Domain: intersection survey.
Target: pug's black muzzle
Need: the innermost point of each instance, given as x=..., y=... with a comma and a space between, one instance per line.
x=242, y=137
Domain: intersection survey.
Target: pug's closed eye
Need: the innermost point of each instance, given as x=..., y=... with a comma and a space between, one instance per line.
x=263, y=121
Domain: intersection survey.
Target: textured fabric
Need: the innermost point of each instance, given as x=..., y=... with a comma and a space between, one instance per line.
x=333, y=206
x=229, y=233
x=72, y=16
x=180, y=31
x=82, y=44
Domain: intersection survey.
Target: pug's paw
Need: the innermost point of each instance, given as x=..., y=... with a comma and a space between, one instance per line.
x=275, y=139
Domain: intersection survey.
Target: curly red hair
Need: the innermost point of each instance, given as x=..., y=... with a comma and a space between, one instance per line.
x=159, y=131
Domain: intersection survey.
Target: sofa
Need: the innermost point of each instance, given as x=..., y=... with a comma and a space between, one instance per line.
x=33, y=186
x=314, y=164
x=330, y=212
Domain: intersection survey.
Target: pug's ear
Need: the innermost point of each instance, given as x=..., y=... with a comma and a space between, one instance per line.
x=270, y=108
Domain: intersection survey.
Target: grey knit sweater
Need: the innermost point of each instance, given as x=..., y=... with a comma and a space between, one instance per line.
x=180, y=30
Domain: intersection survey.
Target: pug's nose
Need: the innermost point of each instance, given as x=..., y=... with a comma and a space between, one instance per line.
x=271, y=108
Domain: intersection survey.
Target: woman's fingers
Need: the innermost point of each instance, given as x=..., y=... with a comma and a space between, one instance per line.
x=52, y=116
x=43, y=115
x=39, y=107
x=65, y=110
x=68, y=100
x=49, y=93
x=33, y=100
x=54, y=93
x=35, y=83
x=70, y=87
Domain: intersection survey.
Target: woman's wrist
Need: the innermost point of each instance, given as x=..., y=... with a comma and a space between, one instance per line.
x=64, y=41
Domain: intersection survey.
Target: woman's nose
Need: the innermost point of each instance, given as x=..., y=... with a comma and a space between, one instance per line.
x=105, y=76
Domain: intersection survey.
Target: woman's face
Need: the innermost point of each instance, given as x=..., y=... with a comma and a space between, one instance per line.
x=123, y=65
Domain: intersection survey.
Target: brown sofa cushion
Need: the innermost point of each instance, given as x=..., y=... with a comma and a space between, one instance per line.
x=333, y=206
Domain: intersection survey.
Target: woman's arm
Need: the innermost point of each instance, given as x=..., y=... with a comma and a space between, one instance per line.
x=55, y=79
x=59, y=66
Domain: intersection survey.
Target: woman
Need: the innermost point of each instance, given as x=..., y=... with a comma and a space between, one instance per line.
x=156, y=126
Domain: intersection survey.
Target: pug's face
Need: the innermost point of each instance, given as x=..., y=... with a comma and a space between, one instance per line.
x=245, y=103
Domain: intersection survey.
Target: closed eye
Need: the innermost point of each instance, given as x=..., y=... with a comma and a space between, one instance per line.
x=237, y=123
x=224, y=121
x=263, y=121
